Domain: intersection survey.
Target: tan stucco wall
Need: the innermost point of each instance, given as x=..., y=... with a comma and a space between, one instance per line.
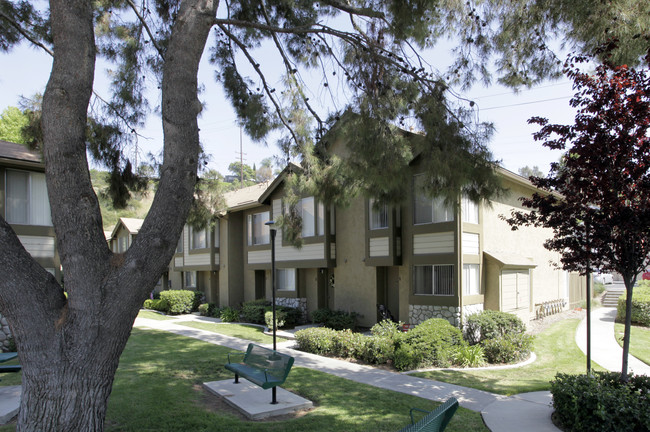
x=547, y=281
x=355, y=283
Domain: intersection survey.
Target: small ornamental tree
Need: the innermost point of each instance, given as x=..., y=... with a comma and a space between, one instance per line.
x=596, y=199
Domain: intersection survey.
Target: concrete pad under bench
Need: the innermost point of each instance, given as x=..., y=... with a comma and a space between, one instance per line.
x=9, y=403
x=255, y=402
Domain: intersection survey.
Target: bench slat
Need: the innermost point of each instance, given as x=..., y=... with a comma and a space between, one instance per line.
x=436, y=420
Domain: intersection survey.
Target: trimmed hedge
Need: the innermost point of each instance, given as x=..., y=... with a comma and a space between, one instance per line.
x=490, y=324
x=229, y=314
x=180, y=301
x=602, y=402
x=431, y=343
x=335, y=319
x=253, y=311
x=640, y=305
x=510, y=348
x=159, y=305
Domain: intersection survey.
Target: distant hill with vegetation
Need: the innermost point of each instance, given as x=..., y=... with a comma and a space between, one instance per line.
x=137, y=207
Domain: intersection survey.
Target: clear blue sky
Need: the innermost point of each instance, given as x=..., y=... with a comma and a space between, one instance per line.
x=25, y=71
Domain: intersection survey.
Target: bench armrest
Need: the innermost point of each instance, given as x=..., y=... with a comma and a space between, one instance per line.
x=416, y=409
x=236, y=354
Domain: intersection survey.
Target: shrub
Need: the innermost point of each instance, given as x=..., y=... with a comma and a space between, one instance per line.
x=180, y=301
x=469, y=356
x=199, y=298
x=348, y=344
x=229, y=314
x=640, y=305
x=335, y=319
x=431, y=343
x=601, y=402
x=510, y=348
x=316, y=340
x=378, y=350
x=280, y=319
x=489, y=324
x=214, y=310
x=386, y=328
x=293, y=316
x=203, y=309
x=159, y=305
x=253, y=311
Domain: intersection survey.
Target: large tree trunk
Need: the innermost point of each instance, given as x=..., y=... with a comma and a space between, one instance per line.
x=70, y=347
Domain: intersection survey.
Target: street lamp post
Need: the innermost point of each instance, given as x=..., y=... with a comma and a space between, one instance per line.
x=272, y=230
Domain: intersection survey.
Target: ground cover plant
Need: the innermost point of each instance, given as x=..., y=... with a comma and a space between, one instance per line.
x=639, y=341
x=640, y=305
x=157, y=388
x=555, y=349
x=241, y=331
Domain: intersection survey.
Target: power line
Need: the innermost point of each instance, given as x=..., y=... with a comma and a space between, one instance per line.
x=526, y=103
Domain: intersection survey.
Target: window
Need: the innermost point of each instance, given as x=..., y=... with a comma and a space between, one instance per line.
x=285, y=279
x=306, y=209
x=179, y=245
x=429, y=210
x=216, y=234
x=26, y=198
x=471, y=279
x=469, y=210
x=258, y=232
x=434, y=280
x=377, y=215
x=190, y=279
x=199, y=238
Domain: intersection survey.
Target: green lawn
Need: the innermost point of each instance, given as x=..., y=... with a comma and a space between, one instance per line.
x=639, y=341
x=241, y=331
x=158, y=388
x=153, y=315
x=556, y=351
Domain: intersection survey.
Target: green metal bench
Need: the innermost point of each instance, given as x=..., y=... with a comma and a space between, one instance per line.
x=434, y=421
x=264, y=367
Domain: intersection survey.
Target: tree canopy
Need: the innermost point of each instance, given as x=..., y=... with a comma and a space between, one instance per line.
x=12, y=122
x=596, y=200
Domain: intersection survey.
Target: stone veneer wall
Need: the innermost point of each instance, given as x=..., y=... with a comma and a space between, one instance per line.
x=471, y=310
x=5, y=333
x=299, y=303
x=420, y=313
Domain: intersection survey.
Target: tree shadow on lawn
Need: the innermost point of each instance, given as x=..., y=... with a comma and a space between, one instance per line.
x=156, y=389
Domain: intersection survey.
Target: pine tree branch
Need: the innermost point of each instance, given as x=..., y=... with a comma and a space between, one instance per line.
x=26, y=34
x=256, y=66
x=146, y=27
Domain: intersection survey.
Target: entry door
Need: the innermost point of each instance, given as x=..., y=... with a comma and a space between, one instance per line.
x=515, y=290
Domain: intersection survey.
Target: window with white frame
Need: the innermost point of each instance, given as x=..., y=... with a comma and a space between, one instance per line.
x=285, y=279
x=258, y=231
x=377, y=215
x=306, y=209
x=179, y=245
x=216, y=234
x=471, y=279
x=469, y=210
x=26, y=200
x=190, y=279
x=433, y=280
x=199, y=238
x=426, y=209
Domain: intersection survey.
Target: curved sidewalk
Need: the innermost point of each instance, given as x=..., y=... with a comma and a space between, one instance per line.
x=604, y=349
x=525, y=412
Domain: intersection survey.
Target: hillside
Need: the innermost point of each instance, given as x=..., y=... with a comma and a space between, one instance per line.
x=138, y=205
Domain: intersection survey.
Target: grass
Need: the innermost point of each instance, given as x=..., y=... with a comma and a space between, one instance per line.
x=241, y=331
x=556, y=351
x=153, y=315
x=639, y=341
x=158, y=388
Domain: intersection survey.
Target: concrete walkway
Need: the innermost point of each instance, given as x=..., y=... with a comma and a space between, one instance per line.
x=604, y=349
x=529, y=412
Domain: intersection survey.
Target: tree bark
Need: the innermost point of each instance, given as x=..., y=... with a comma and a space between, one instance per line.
x=629, y=286
x=70, y=347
